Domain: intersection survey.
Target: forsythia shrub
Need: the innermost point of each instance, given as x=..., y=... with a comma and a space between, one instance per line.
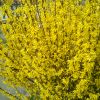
x=53, y=49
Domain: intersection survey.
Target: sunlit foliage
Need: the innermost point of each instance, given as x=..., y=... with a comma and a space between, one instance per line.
x=53, y=49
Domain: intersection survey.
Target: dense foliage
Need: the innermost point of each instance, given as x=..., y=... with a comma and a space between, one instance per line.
x=53, y=49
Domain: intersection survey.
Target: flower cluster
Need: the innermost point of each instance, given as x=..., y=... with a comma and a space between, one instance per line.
x=52, y=48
